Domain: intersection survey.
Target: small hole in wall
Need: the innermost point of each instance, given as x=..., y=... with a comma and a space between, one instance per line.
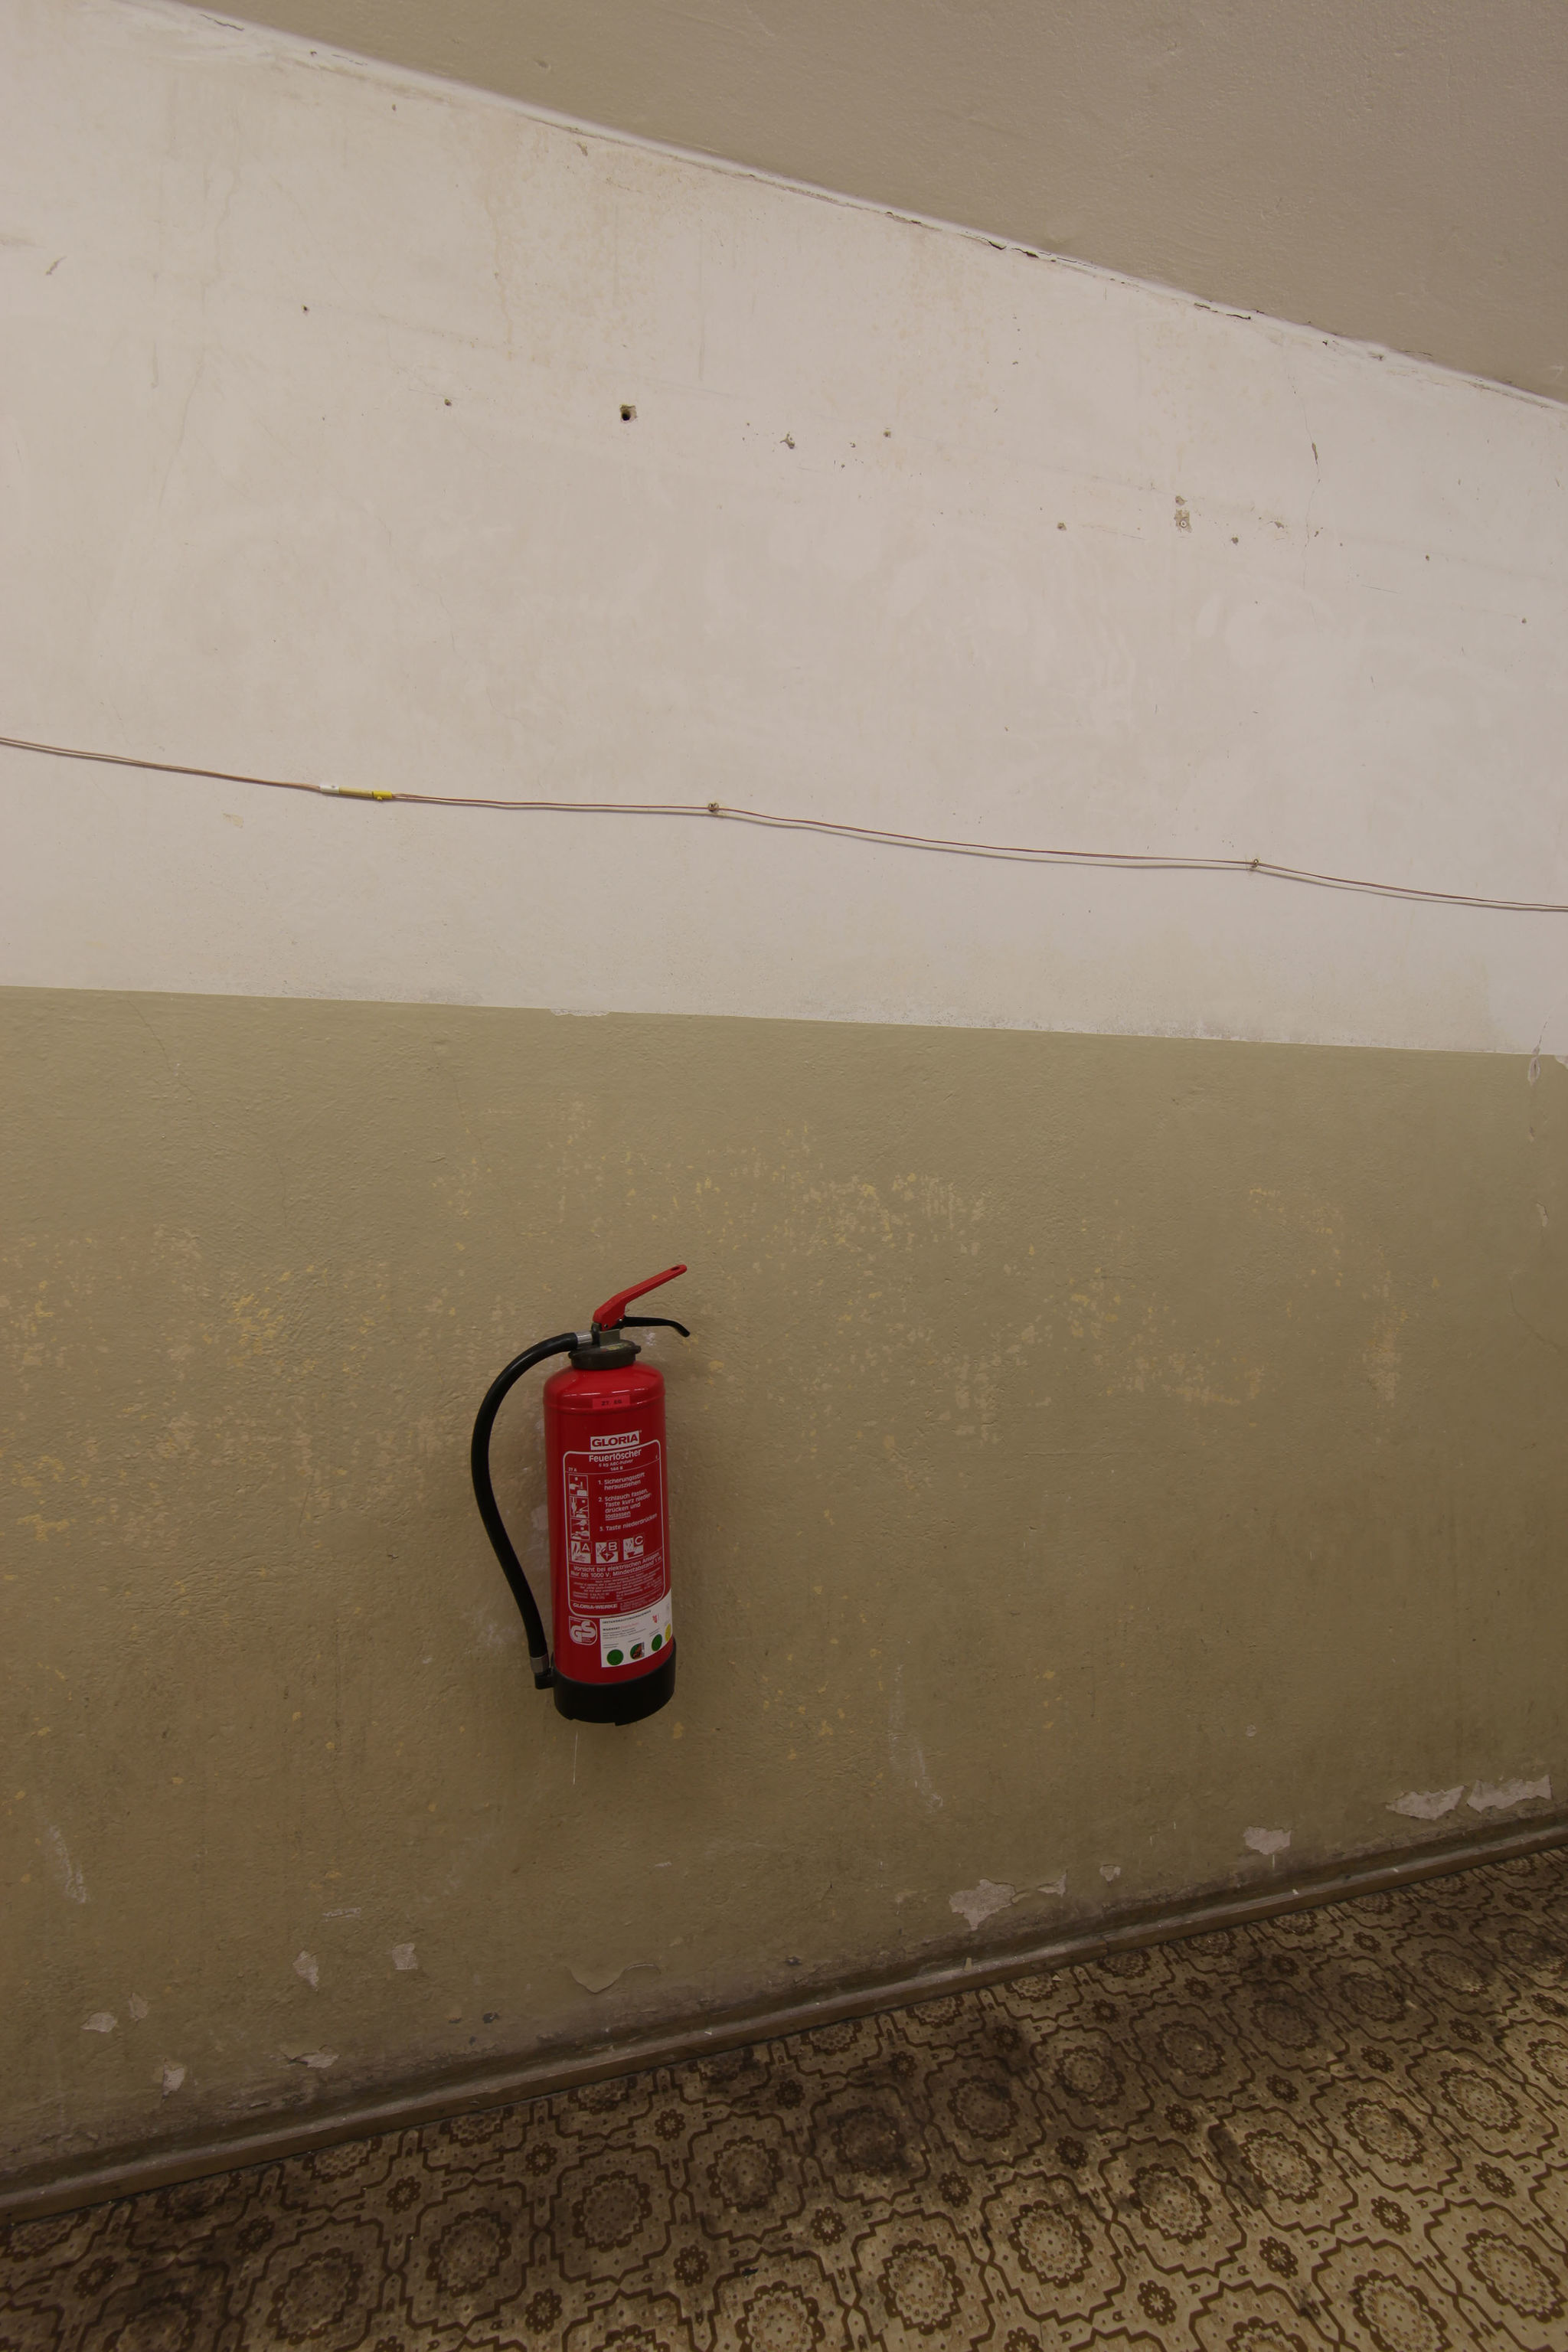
x=628, y=414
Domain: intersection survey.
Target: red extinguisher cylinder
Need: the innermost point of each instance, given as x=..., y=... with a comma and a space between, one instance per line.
x=607, y=1462
x=606, y=1476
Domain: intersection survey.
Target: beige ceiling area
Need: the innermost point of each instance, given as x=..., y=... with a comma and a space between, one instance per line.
x=1395, y=170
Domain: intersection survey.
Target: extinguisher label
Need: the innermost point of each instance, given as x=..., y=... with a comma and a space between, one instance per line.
x=615, y=1530
x=628, y=1641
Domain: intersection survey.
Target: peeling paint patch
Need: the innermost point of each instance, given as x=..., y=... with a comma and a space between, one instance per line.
x=404, y=1956
x=1427, y=1804
x=100, y=2022
x=1265, y=1840
x=489, y=1635
x=601, y=1980
x=977, y=1903
x=905, y=1752
x=1381, y=1357
x=1491, y=1797
x=172, y=2075
x=1057, y=1885
x=308, y=1967
x=1111, y=1872
x=70, y=1881
x=298, y=2057
x=137, y=2007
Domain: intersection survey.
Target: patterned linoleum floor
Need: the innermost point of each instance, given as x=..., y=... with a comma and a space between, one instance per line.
x=1349, y=2127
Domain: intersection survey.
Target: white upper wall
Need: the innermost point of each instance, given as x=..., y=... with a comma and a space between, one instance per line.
x=311, y=462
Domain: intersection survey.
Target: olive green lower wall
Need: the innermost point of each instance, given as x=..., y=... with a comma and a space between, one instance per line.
x=1093, y=1450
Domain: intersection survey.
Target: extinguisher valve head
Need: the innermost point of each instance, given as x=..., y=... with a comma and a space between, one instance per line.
x=605, y=1352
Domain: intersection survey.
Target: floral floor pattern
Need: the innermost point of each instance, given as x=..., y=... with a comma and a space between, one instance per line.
x=1348, y=2126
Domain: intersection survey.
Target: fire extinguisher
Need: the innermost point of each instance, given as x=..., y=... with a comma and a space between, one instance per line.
x=605, y=1469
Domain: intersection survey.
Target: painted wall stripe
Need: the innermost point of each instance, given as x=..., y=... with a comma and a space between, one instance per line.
x=316, y=465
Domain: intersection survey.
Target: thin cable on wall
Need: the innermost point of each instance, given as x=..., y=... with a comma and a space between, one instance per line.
x=883, y=837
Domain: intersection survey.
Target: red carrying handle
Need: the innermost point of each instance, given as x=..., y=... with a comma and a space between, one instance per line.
x=609, y=1317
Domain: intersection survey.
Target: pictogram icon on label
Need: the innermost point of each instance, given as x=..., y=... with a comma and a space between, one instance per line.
x=633, y=1640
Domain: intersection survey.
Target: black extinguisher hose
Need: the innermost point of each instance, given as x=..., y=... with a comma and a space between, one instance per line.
x=490, y=1511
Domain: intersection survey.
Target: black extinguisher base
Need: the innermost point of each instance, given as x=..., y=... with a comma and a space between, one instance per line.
x=626, y=1702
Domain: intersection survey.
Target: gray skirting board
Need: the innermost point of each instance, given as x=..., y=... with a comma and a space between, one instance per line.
x=94, y=2180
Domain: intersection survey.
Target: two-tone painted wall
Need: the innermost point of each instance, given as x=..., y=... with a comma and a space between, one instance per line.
x=1120, y=1453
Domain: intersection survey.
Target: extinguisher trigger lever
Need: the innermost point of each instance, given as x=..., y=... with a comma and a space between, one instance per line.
x=612, y=1313
x=654, y=1322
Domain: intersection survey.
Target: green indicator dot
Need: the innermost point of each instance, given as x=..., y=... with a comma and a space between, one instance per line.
x=615, y=1657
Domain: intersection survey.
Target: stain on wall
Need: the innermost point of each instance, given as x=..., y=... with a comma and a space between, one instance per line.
x=1090, y=1448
